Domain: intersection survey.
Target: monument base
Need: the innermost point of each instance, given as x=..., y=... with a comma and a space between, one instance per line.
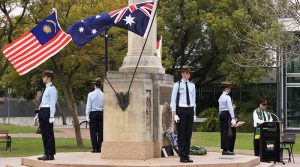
x=128, y=150
x=137, y=132
x=86, y=159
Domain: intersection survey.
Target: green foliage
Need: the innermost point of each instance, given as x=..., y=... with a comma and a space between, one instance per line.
x=78, y=66
x=221, y=39
x=211, y=124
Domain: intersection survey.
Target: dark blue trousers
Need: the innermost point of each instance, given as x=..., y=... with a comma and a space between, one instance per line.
x=185, y=129
x=96, y=129
x=47, y=131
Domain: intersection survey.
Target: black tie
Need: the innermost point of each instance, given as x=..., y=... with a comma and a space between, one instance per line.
x=187, y=94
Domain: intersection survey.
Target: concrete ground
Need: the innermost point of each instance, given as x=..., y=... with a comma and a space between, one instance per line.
x=68, y=132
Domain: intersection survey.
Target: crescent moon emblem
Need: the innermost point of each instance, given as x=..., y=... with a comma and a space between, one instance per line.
x=53, y=22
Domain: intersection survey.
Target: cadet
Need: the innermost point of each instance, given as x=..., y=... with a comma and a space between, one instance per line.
x=46, y=116
x=260, y=115
x=94, y=115
x=183, y=105
x=227, y=118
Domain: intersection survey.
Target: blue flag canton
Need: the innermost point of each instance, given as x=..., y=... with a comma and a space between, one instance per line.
x=90, y=27
x=135, y=18
x=46, y=29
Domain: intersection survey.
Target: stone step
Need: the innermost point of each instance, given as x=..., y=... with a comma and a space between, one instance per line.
x=15, y=165
x=94, y=160
x=264, y=164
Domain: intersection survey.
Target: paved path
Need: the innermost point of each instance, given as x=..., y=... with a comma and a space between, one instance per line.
x=12, y=161
x=68, y=132
x=64, y=132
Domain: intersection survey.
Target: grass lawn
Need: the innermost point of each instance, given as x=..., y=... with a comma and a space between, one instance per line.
x=33, y=146
x=243, y=140
x=14, y=129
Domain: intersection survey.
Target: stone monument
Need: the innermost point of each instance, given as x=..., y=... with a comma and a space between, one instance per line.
x=136, y=133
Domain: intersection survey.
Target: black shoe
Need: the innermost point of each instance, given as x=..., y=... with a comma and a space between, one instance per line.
x=227, y=153
x=42, y=157
x=49, y=157
x=188, y=159
x=94, y=151
x=183, y=160
x=46, y=158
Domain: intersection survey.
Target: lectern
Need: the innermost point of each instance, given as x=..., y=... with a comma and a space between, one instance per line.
x=270, y=142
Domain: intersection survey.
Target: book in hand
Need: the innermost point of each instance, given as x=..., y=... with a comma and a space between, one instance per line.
x=239, y=123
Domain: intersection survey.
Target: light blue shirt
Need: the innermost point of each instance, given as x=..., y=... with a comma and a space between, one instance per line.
x=182, y=95
x=225, y=104
x=49, y=98
x=94, y=101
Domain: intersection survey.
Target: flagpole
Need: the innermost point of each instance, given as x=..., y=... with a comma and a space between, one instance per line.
x=138, y=62
x=106, y=52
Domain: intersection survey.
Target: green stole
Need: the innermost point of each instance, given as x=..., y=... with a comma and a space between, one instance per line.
x=257, y=129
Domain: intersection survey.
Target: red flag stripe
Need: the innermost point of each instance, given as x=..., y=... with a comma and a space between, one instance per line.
x=113, y=13
x=145, y=11
x=120, y=16
x=38, y=49
x=10, y=48
x=31, y=49
x=44, y=48
x=132, y=8
x=20, y=39
x=43, y=57
x=22, y=49
x=148, y=6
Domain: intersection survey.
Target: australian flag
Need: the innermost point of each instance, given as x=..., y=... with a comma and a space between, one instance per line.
x=136, y=18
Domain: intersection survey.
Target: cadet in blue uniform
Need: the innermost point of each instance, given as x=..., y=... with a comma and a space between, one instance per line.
x=94, y=115
x=46, y=116
x=183, y=105
x=227, y=118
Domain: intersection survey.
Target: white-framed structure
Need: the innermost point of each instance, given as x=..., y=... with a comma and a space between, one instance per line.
x=288, y=83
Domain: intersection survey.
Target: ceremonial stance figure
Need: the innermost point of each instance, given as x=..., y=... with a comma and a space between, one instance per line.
x=183, y=105
x=94, y=115
x=46, y=116
x=227, y=117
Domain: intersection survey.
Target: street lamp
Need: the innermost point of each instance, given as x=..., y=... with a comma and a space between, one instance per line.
x=9, y=90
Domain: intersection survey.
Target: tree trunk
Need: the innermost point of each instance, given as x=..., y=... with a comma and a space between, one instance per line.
x=61, y=111
x=71, y=106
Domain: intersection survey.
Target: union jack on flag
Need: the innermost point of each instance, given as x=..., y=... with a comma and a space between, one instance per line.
x=136, y=18
x=118, y=14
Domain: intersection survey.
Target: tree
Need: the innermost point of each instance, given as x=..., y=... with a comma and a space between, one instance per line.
x=9, y=24
x=229, y=39
x=74, y=67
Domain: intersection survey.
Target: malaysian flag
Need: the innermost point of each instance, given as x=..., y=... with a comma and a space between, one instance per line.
x=136, y=18
x=36, y=46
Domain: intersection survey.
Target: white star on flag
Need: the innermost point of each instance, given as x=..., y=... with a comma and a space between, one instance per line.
x=98, y=16
x=81, y=29
x=129, y=20
x=82, y=21
x=94, y=31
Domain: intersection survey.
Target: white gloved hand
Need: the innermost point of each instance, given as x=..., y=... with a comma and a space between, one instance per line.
x=36, y=118
x=176, y=118
x=195, y=117
x=233, y=122
x=51, y=120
